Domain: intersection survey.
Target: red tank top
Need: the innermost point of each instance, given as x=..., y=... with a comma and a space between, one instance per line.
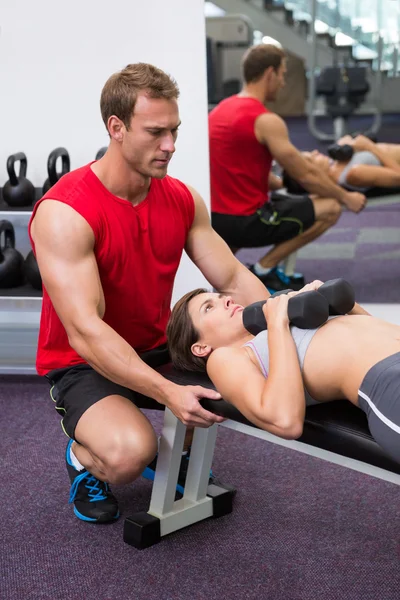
x=239, y=164
x=138, y=250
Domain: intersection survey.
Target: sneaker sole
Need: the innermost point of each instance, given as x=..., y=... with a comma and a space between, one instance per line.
x=89, y=520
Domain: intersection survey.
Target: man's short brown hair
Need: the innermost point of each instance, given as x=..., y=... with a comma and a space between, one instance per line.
x=120, y=91
x=258, y=58
x=181, y=334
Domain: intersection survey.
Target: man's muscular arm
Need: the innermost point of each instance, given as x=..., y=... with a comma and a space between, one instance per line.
x=271, y=130
x=212, y=256
x=70, y=275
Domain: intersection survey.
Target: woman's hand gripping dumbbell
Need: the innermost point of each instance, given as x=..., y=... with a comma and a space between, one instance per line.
x=308, y=309
x=339, y=294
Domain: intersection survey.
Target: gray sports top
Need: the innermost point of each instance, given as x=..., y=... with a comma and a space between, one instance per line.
x=359, y=158
x=302, y=339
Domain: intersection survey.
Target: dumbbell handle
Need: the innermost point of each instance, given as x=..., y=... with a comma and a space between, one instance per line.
x=307, y=310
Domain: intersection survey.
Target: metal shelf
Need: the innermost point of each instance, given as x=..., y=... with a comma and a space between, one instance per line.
x=19, y=309
x=19, y=329
x=15, y=213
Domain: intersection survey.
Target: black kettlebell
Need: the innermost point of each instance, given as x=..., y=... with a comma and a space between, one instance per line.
x=32, y=272
x=101, y=152
x=18, y=191
x=11, y=261
x=52, y=167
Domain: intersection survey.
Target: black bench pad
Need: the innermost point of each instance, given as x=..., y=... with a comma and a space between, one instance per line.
x=338, y=426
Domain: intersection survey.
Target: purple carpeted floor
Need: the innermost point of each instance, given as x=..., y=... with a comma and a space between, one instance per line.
x=302, y=529
x=363, y=248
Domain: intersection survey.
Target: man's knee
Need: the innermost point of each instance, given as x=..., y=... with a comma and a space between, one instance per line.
x=128, y=456
x=327, y=210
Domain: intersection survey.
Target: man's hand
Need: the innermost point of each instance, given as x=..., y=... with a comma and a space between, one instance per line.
x=355, y=201
x=345, y=140
x=359, y=143
x=184, y=403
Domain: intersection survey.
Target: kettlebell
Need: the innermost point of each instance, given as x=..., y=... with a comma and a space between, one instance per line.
x=11, y=261
x=18, y=191
x=32, y=272
x=101, y=152
x=52, y=167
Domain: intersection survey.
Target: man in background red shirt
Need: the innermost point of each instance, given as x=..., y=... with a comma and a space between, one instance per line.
x=245, y=138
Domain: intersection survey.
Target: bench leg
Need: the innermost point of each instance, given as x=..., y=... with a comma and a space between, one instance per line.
x=289, y=264
x=200, y=500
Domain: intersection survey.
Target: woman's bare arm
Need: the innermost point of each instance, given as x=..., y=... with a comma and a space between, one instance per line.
x=373, y=176
x=361, y=143
x=275, y=403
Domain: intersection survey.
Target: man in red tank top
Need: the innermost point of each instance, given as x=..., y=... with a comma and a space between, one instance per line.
x=244, y=139
x=118, y=229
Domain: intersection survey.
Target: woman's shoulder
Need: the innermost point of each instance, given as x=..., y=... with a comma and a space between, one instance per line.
x=231, y=367
x=221, y=359
x=226, y=353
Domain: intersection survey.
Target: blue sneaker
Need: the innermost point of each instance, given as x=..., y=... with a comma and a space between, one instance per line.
x=276, y=280
x=296, y=279
x=150, y=472
x=92, y=498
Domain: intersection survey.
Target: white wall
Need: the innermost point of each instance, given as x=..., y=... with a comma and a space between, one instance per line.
x=54, y=59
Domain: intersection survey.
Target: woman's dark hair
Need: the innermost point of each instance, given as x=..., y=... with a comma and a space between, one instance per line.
x=182, y=334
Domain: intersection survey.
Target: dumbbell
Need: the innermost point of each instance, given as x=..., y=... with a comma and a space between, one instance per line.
x=340, y=152
x=343, y=153
x=307, y=310
x=339, y=294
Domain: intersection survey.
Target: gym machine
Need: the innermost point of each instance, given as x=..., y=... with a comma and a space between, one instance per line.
x=344, y=89
x=227, y=39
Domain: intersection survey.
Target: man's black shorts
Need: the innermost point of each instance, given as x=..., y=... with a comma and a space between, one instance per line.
x=282, y=218
x=74, y=389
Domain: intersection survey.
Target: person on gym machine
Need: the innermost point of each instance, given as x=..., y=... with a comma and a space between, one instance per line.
x=244, y=138
x=271, y=377
x=108, y=238
x=371, y=165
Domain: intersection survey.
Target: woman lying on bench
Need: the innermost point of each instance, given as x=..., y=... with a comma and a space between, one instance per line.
x=371, y=166
x=271, y=377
